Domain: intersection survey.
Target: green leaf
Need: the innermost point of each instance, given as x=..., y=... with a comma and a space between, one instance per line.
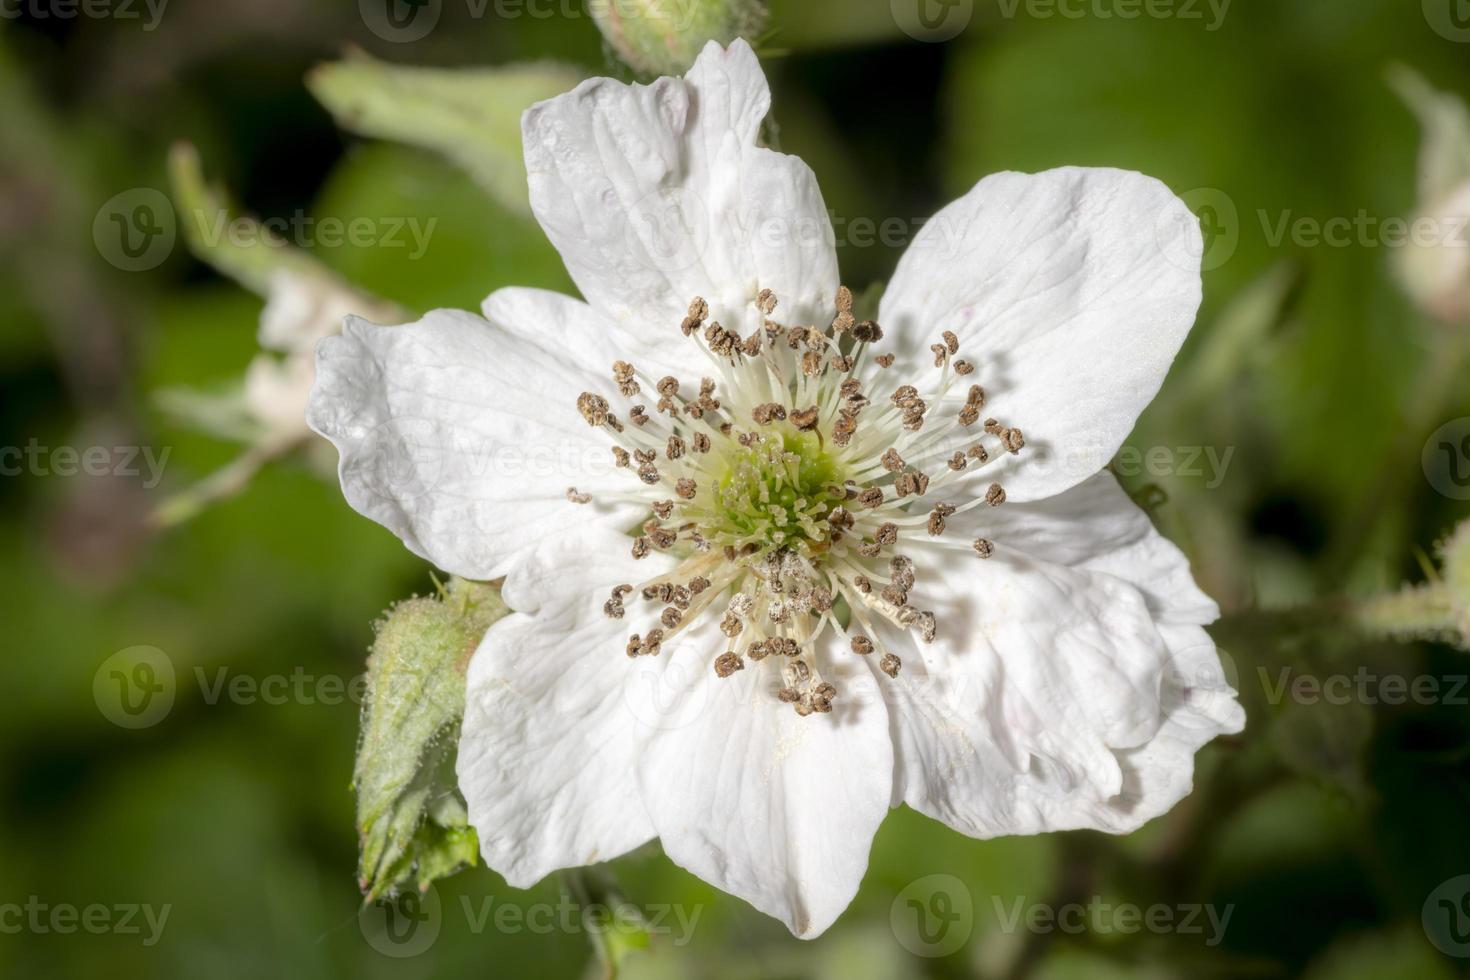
x=412, y=823
x=472, y=116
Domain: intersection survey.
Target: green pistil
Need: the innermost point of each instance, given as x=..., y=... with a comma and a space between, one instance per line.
x=775, y=494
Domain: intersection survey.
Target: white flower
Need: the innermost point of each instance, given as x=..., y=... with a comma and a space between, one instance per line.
x=791, y=521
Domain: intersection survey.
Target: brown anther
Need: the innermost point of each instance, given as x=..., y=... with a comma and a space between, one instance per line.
x=963, y=367
x=887, y=534
x=940, y=353
x=685, y=488
x=788, y=695
x=806, y=419
x=635, y=645
x=811, y=364
x=978, y=454
x=842, y=322
x=912, y=483
x=862, y=646
x=671, y=617
x=892, y=461
x=867, y=332
x=928, y=626
x=871, y=497
x=593, y=408
x=885, y=360
x=752, y=345
x=936, y=525
x=620, y=455
x=821, y=599
x=727, y=664
x=648, y=473
x=841, y=363
x=767, y=413
x=663, y=508
x=698, y=309
x=681, y=597
x=995, y=495
x=640, y=547
x=890, y=665
x=731, y=625
x=951, y=341
x=844, y=299
x=983, y=548
x=904, y=395
x=969, y=415
x=1013, y=440
x=638, y=415
x=577, y=497
x=870, y=549
x=663, y=539
x=840, y=517
x=701, y=442
x=843, y=429
x=668, y=386
x=994, y=427
x=623, y=375
x=675, y=448
x=652, y=643
x=957, y=462
x=861, y=583
x=698, y=584
x=893, y=593
x=766, y=302
x=804, y=707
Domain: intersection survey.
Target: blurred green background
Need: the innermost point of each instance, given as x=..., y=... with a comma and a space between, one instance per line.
x=1324, y=828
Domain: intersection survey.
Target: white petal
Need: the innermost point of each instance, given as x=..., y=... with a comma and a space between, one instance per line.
x=1039, y=675
x=656, y=194
x=463, y=439
x=1071, y=290
x=548, y=752
x=776, y=809
x=1097, y=526
x=589, y=339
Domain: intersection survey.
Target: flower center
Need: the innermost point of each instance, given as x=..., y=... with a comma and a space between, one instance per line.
x=786, y=499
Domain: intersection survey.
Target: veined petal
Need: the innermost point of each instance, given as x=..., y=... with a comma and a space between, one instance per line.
x=656, y=194
x=548, y=751
x=776, y=809
x=446, y=439
x=1097, y=526
x=1072, y=290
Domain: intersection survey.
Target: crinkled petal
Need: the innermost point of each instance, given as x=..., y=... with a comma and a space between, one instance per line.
x=447, y=439
x=776, y=809
x=549, y=748
x=656, y=194
x=1097, y=526
x=1072, y=291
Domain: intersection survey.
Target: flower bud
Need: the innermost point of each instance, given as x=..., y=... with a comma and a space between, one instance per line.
x=412, y=823
x=663, y=37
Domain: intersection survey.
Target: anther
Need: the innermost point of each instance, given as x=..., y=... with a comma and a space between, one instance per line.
x=890, y=665
x=685, y=488
x=862, y=646
x=951, y=341
x=766, y=302
x=995, y=495
x=727, y=664
x=806, y=419
x=887, y=534
x=577, y=497
x=594, y=408
x=983, y=548
x=663, y=508
x=623, y=375
x=885, y=360
x=867, y=332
